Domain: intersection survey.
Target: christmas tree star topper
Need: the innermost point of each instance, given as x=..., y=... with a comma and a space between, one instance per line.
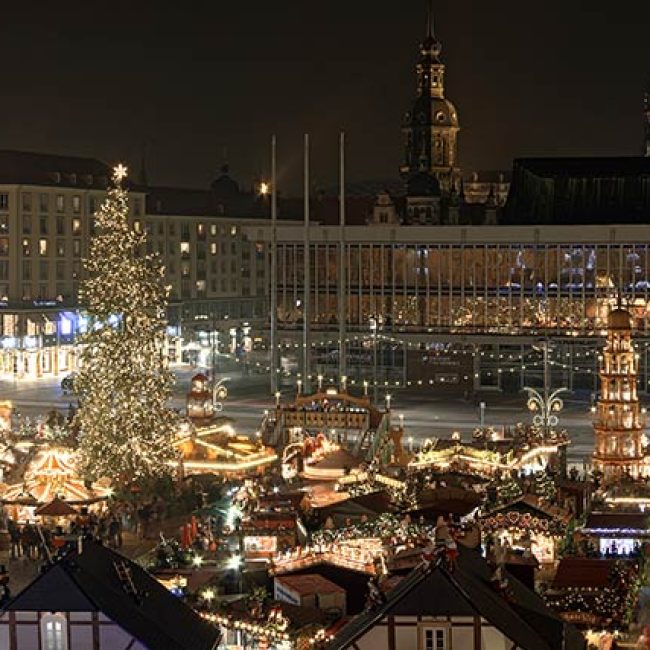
x=119, y=172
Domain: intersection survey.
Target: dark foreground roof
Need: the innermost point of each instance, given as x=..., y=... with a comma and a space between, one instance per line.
x=89, y=582
x=467, y=591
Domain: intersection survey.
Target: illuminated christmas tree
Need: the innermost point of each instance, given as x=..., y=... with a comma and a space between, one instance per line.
x=619, y=422
x=124, y=383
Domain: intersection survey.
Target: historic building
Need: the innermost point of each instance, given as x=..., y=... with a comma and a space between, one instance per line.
x=431, y=126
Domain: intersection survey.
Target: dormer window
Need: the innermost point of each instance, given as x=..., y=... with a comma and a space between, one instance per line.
x=56, y=177
x=73, y=179
x=89, y=179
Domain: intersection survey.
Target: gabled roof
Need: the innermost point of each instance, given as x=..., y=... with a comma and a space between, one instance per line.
x=88, y=581
x=467, y=591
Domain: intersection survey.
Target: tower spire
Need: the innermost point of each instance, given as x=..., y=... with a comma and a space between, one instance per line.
x=429, y=33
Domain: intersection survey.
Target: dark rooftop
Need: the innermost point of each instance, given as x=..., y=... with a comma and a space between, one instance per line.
x=32, y=168
x=467, y=591
x=88, y=581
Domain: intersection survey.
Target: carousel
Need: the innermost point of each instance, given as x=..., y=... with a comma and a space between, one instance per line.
x=51, y=476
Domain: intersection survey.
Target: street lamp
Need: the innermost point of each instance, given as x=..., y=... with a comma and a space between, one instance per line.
x=278, y=394
x=299, y=384
x=388, y=398
x=344, y=383
x=365, y=387
x=320, y=382
x=545, y=407
x=373, y=330
x=401, y=421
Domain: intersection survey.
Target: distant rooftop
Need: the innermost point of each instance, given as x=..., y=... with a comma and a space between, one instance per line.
x=32, y=168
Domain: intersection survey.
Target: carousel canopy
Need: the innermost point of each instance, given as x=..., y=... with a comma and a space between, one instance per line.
x=51, y=474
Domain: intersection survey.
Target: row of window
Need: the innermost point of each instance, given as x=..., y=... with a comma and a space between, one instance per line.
x=43, y=225
x=201, y=230
x=43, y=247
x=61, y=201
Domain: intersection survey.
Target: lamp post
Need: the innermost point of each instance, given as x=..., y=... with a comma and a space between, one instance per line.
x=277, y=398
x=320, y=382
x=344, y=383
x=365, y=387
x=546, y=404
x=373, y=330
x=545, y=407
x=388, y=398
x=299, y=385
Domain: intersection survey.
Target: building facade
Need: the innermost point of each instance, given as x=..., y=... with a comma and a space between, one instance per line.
x=439, y=293
x=216, y=274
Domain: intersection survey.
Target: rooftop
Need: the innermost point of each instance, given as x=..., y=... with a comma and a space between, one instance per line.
x=310, y=583
x=89, y=581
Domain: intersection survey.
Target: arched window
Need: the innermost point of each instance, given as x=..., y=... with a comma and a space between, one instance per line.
x=54, y=632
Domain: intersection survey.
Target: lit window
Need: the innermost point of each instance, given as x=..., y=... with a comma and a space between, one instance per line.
x=42, y=247
x=4, y=201
x=137, y=226
x=76, y=247
x=213, y=229
x=54, y=632
x=233, y=230
x=200, y=285
x=213, y=248
x=76, y=226
x=76, y=203
x=200, y=230
x=60, y=203
x=27, y=249
x=185, y=248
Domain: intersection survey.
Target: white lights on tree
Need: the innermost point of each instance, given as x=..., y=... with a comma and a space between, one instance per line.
x=126, y=428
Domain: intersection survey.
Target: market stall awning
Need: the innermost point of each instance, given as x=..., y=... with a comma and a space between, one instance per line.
x=55, y=508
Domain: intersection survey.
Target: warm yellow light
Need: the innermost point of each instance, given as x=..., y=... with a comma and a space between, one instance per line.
x=264, y=188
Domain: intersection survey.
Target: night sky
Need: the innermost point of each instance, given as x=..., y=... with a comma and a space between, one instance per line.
x=195, y=79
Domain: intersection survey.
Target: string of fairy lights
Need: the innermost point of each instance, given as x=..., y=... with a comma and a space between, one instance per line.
x=529, y=359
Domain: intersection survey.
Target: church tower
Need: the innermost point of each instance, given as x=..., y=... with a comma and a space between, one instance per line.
x=430, y=127
x=618, y=424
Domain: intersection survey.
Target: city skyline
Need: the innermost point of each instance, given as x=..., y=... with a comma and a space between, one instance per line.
x=289, y=70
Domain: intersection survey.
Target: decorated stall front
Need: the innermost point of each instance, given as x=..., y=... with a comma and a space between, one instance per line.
x=528, y=525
